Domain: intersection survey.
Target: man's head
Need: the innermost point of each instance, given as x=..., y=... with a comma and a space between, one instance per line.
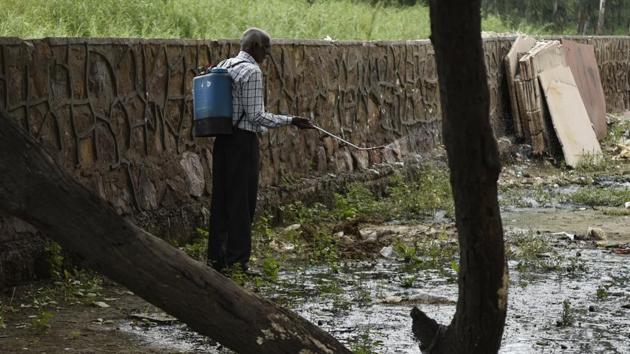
x=257, y=43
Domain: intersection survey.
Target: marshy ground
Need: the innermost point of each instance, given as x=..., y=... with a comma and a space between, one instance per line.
x=358, y=263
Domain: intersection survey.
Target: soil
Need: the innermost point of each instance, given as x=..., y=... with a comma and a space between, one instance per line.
x=74, y=327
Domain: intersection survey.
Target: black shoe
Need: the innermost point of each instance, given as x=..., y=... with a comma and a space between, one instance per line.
x=252, y=273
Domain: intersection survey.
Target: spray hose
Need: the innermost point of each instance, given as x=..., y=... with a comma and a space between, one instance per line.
x=349, y=143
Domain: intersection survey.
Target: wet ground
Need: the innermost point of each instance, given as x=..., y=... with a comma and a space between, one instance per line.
x=568, y=245
x=571, y=294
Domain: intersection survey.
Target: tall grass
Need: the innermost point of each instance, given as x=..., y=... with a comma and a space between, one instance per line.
x=216, y=19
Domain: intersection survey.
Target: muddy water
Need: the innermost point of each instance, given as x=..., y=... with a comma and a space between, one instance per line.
x=368, y=303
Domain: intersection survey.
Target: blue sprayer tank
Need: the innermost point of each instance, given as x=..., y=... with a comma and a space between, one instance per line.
x=212, y=103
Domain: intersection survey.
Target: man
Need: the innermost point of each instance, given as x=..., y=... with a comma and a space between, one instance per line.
x=235, y=158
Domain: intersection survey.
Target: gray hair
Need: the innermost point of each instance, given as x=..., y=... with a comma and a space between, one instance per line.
x=254, y=36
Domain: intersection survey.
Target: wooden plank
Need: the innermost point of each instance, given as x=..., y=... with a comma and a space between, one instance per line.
x=583, y=65
x=569, y=116
x=543, y=56
x=522, y=44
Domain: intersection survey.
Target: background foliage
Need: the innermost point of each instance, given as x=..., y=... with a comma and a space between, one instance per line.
x=219, y=19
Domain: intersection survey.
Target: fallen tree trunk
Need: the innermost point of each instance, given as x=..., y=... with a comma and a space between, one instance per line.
x=34, y=189
x=473, y=160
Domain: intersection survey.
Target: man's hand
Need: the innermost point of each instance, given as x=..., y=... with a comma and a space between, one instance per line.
x=302, y=123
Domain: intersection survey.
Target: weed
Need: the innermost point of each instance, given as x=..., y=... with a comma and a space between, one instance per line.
x=424, y=194
x=408, y=282
x=566, y=316
x=534, y=254
x=593, y=163
x=270, y=267
x=344, y=208
x=363, y=296
x=198, y=247
x=55, y=260
x=576, y=266
x=237, y=274
x=363, y=344
x=325, y=250
x=41, y=322
x=602, y=292
x=455, y=266
x=329, y=286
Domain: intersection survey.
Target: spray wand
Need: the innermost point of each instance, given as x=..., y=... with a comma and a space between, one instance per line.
x=349, y=143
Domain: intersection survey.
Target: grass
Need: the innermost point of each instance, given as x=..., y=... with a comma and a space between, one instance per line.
x=227, y=19
x=597, y=196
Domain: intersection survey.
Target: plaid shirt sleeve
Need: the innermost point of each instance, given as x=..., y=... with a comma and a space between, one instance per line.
x=252, y=103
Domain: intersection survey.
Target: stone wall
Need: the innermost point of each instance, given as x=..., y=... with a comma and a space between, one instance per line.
x=117, y=114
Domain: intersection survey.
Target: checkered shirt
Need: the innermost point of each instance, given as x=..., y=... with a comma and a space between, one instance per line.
x=247, y=95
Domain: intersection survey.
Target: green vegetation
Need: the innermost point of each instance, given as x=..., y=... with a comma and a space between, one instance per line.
x=213, y=19
x=198, y=246
x=597, y=196
x=567, y=317
x=2, y=324
x=364, y=344
x=533, y=253
x=566, y=16
x=436, y=254
x=602, y=292
x=409, y=197
x=55, y=260
x=41, y=322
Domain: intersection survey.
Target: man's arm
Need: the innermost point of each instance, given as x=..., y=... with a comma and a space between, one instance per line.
x=254, y=107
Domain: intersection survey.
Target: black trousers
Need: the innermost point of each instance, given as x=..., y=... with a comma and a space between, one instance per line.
x=235, y=168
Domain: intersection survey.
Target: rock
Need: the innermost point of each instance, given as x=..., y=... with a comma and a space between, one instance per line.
x=346, y=241
x=565, y=235
x=387, y=252
x=193, y=170
x=626, y=205
x=373, y=237
x=292, y=227
x=595, y=233
x=101, y=304
x=159, y=317
x=339, y=234
x=322, y=162
x=360, y=159
x=591, y=308
x=626, y=306
x=147, y=194
x=505, y=148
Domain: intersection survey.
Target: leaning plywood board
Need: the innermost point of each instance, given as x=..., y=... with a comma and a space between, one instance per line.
x=544, y=56
x=568, y=116
x=521, y=45
x=583, y=65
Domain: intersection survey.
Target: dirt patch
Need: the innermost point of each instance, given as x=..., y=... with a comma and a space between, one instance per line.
x=37, y=319
x=576, y=222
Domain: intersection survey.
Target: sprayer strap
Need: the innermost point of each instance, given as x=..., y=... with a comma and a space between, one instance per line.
x=235, y=126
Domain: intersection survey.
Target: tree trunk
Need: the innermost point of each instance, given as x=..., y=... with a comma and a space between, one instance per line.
x=34, y=189
x=600, y=18
x=473, y=160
